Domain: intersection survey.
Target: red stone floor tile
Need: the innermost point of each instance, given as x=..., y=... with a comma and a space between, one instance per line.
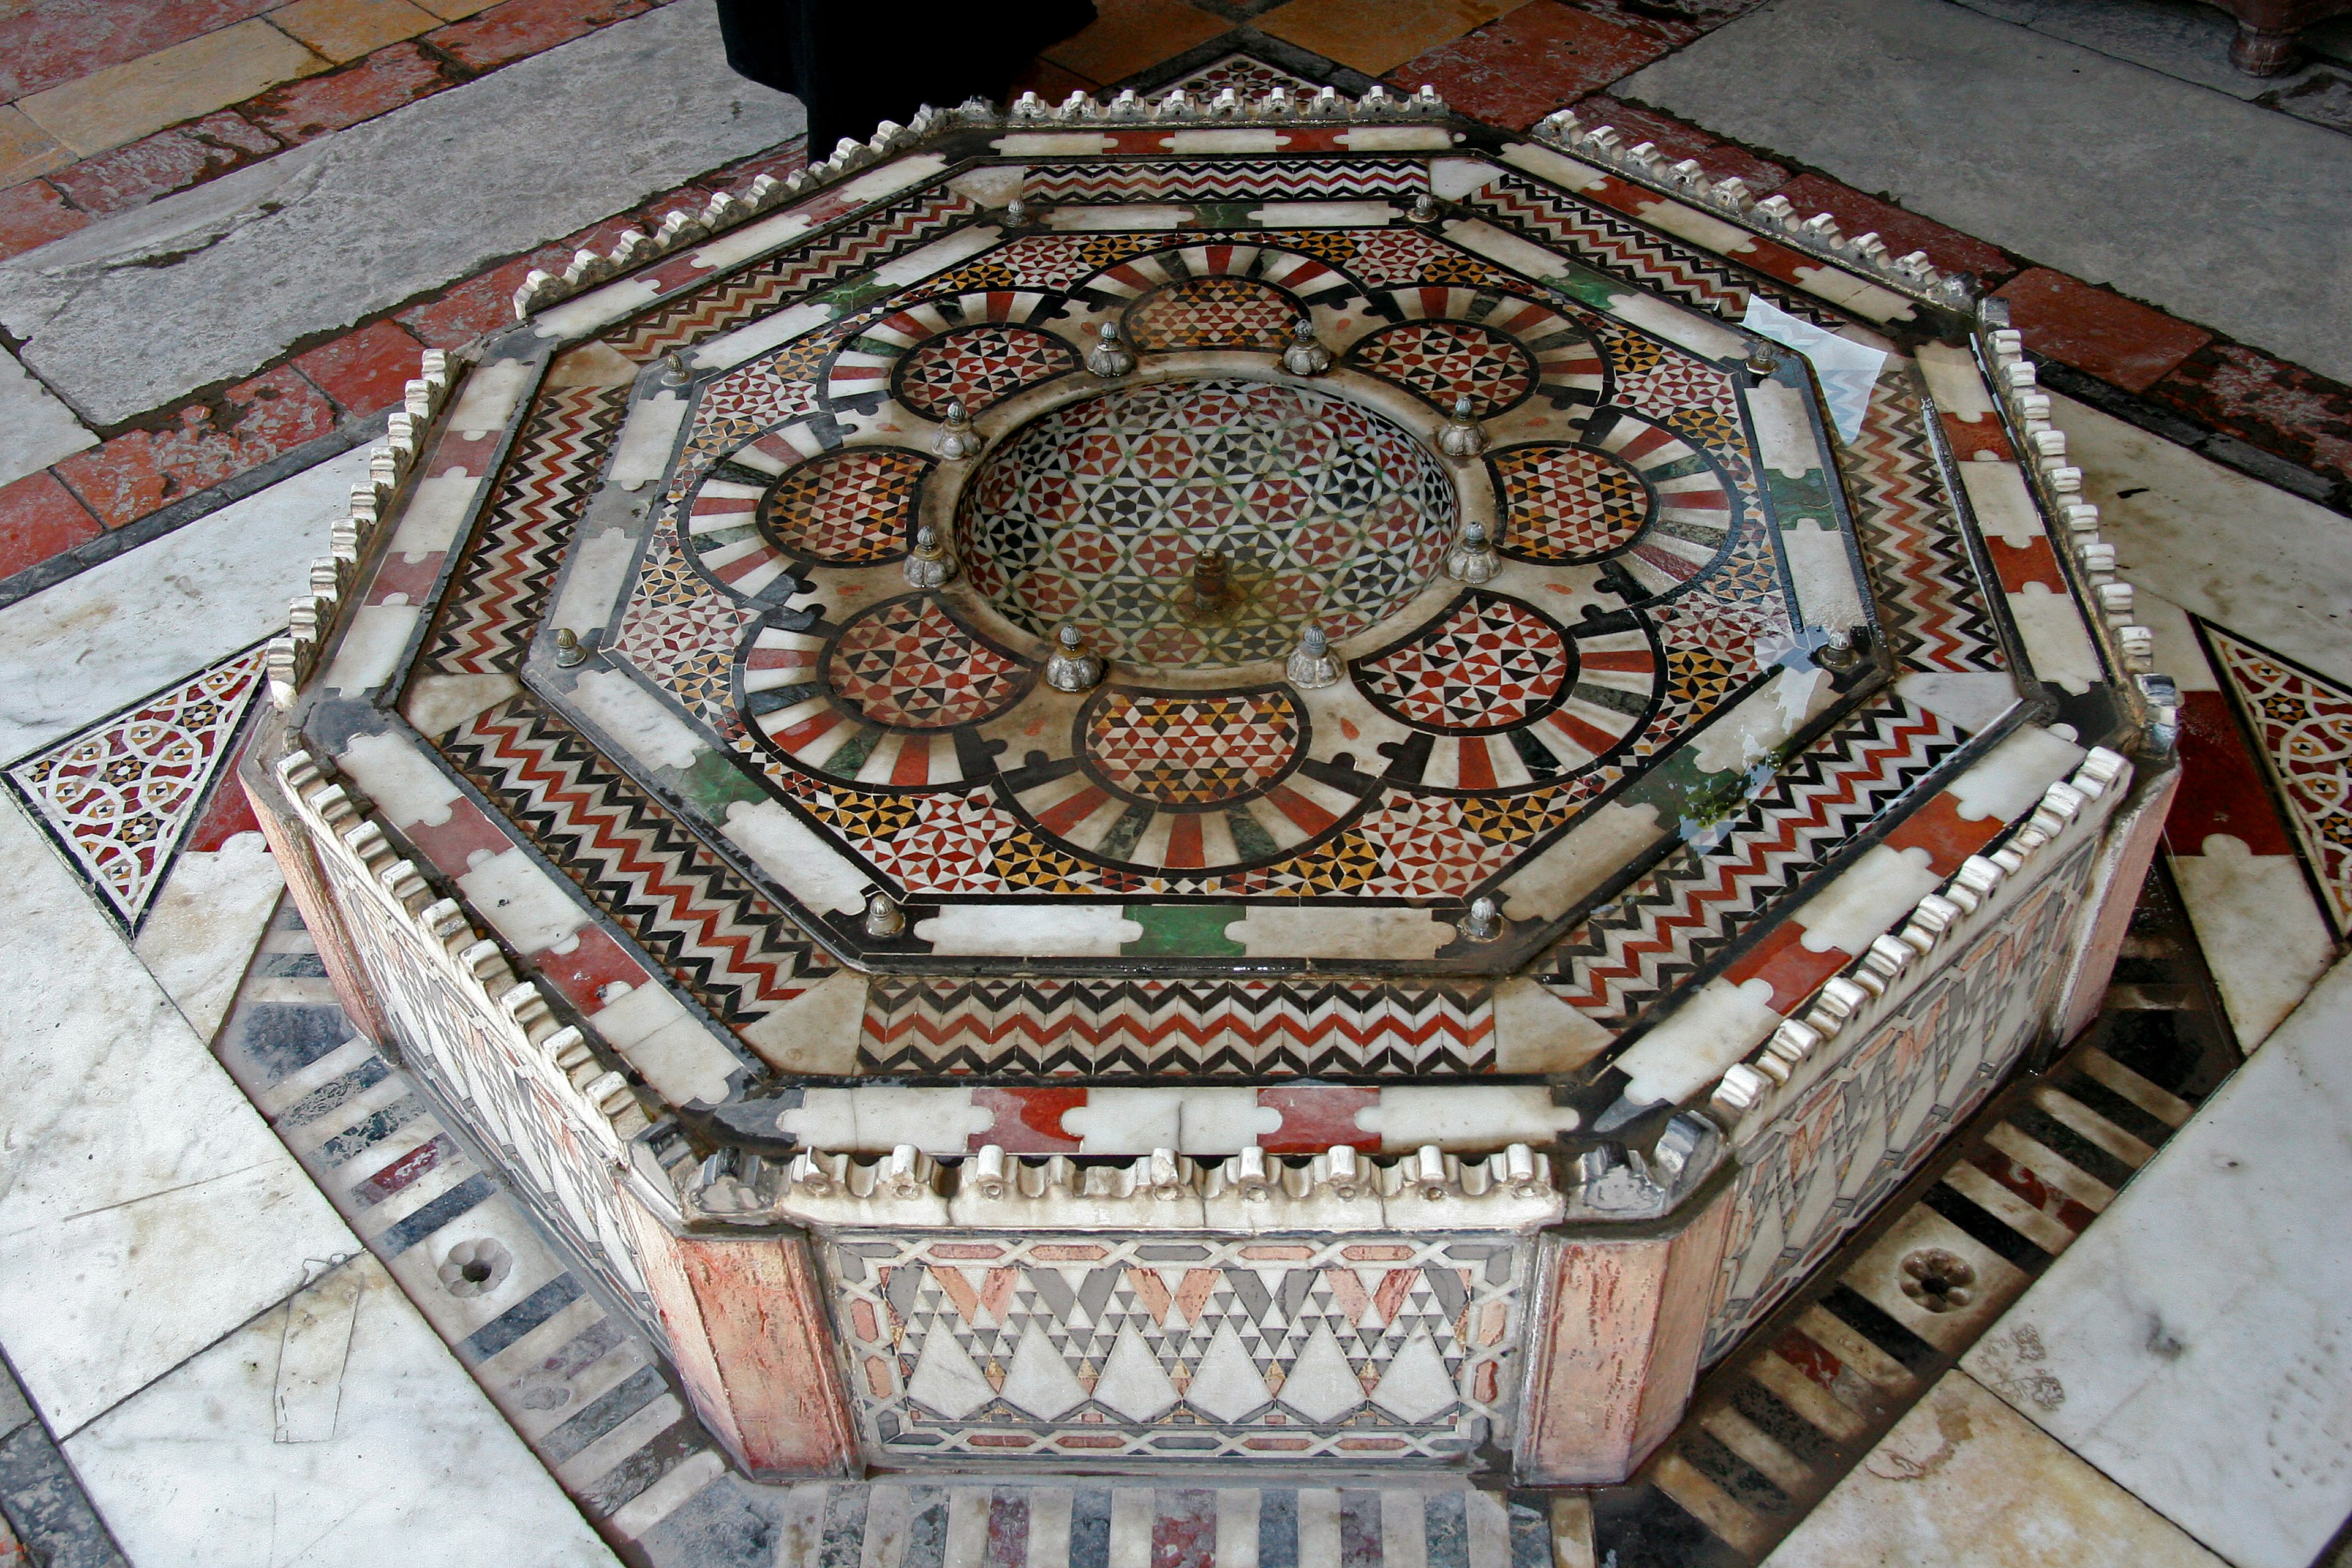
x=485, y=302
x=521, y=27
x=211, y=440
x=365, y=370
x=227, y=812
x=373, y=85
x=2297, y=413
x=1678, y=21
x=482, y=303
x=168, y=161
x=1678, y=141
x=2096, y=331
x=785, y=160
x=1903, y=232
x=1517, y=70
x=2221, y=785
x=1050, y=82
x=39, y=518
x=34, y=213
x=53, y=41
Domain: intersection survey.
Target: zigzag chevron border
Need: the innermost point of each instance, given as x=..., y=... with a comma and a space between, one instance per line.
x=1632, y=951
x=712, y=309
x=1221, y=181
x=1202, y=1028
x=739, y=954
x=1933, y=604
x=507, y=573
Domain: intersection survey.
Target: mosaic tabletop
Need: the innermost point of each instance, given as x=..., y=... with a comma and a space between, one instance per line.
x=737, y=580
x=1640, y=580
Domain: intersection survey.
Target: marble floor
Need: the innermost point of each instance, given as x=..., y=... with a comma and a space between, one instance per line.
x=259, y=1304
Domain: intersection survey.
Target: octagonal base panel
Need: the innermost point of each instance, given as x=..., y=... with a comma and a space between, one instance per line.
x=810, y=747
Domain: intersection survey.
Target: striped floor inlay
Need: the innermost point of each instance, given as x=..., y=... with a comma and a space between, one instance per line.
x=580, y=1385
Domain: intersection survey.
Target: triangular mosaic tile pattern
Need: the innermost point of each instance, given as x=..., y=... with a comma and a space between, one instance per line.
x=2302, y=726
x=120, y=794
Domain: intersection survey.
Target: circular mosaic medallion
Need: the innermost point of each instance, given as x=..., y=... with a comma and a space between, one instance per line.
x=1488, y=664
x=1441, y=361
x=1567, y=503
x=1191, y=750
x=979, y=365
x=1099, y=512
x=847, y=509
x=908, y=664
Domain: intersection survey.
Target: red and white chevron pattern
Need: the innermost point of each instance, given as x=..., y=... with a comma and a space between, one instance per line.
x=507, y=572
x=1913, y=540
x=1626, y=955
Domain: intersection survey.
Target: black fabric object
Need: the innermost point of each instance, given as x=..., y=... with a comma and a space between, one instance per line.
x=855, y=65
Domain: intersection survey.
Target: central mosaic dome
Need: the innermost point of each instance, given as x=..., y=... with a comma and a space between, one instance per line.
x=1097, y=512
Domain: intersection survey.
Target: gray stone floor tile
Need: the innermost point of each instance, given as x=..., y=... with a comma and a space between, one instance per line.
x=36, y=430
x=2182, y=39
x=127, y=315
x=2109, y=171
x=46, y=1508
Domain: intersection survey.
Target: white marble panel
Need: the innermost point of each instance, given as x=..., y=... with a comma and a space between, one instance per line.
x=2260, y=928
x=158, y=613
x=335, y=1428
x=2196, y=1344
x=1961, y=1482
x=202, y=927
x=36, y=430
x=145, y=1208
x=2233, y=550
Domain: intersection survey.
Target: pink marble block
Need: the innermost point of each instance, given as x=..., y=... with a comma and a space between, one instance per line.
x=2124, y=862
x=1614, y=1346
x=290, y=846
x=748, y=1331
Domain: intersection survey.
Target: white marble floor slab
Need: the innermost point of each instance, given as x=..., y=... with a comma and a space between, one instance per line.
x=36, y=430
x=2239, y=552
x=2079, y=161
x=319, y=237
x=145, y=1207
x=1961, y=1482
x=102, y=640
x=2196, y=1344
x=333, y=1429
x=205, y=920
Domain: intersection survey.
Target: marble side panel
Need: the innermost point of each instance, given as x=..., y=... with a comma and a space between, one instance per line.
x=200, y=929
x=2215, y=1381
x=333, y=1427
x=145, y=1209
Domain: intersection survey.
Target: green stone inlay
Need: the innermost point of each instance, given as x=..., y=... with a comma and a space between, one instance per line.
x=1611, y=698
x=1186, y=931
x=844, y=763
x=1125, y=834
x=1597, y=289
x=1684, y=794
x=711, y=784
x=1807, y=496
x=1681, y=467
x=1250, y=836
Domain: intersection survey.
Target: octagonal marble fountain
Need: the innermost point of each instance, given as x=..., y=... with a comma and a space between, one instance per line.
x=1172, y=785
